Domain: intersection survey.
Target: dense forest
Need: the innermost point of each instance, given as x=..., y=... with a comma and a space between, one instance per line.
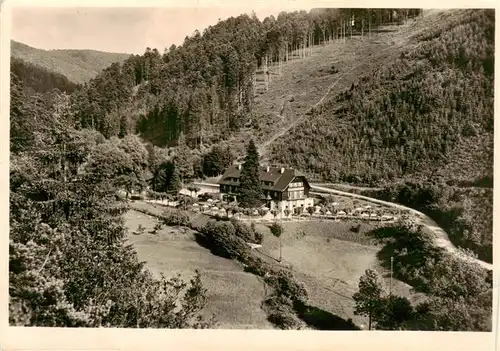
x=204, y=88
x=411, y=115
x=38, y=79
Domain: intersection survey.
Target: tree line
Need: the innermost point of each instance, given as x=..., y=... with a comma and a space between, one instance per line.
x=38, y=79
x=205, y=87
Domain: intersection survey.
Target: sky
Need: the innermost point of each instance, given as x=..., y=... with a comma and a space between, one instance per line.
x=117, y=29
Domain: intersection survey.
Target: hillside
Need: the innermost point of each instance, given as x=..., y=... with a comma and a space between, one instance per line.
x=422, y=120
x=420, y=112
x=307, y=84
x=78, y=66
x=205, y=88
x=38, y=79
x=387, y=106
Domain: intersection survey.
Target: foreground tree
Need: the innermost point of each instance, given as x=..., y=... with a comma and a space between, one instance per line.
x=69, y=265
x=250, y=187
x=369, y=297
x=395, y=312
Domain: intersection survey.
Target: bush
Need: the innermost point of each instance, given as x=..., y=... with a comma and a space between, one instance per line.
x=281, y=312
x=221, y=236
x=356, y=228
x=284, y=320
x=287, y=286
x=256, y=266
x=243, y=231
x=175, y=218
x=259, y=237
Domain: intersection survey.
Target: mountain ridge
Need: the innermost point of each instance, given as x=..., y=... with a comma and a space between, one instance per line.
x=78, y=65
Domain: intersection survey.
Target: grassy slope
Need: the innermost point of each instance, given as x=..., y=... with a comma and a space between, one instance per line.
x=78, y=65
x=234, y=296
x=329, y=260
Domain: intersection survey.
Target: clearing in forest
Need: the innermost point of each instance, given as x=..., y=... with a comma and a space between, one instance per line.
x=306, y=83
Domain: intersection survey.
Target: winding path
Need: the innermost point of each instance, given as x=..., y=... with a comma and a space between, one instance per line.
x=441, y=237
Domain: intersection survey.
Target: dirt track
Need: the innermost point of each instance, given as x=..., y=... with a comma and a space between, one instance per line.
x=441, y=237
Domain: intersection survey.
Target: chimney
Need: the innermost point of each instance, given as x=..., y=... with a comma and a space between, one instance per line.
x=282, y=170
x=267, y=169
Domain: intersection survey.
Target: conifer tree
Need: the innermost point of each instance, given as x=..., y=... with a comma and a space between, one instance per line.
x=251, y=191
x=183, y=160
x=175, y=182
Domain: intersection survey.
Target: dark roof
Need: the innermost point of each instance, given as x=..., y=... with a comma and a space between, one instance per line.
x=280, y=180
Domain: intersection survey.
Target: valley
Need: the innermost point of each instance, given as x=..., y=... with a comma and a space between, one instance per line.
x=322, y=170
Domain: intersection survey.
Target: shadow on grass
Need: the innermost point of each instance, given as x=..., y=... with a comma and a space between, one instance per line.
x=383, y=234
x=320, y=319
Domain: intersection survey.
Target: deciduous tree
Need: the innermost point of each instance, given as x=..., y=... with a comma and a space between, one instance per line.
x=368, y=300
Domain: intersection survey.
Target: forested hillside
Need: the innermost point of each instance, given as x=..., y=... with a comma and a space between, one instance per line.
x=37, y=79
x=205, y=88
x=427, y=116
x=422, y=125
x=413, y=115
x=78, y=66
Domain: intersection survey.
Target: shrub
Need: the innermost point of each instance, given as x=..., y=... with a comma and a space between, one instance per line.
x=287, y=286
x=259, y=237
x=243, y=231
x=281, y=311
x=256, y=266
x=156, y=228
x=284, y=320
x=175, y=218
x=140, y=229
x=356, y=228
x=221, y=236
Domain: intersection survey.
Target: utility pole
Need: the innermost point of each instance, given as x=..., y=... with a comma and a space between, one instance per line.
x=390, y=286
x=281, y=228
